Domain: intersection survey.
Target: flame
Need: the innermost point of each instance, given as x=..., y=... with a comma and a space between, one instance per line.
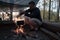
x=16, y=31
x=19, y=30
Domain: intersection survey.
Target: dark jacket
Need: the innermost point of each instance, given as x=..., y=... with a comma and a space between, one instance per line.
x=34, y=13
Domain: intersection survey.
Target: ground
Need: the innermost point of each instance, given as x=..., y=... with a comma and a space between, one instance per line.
x=7, y=34
x=12, y=36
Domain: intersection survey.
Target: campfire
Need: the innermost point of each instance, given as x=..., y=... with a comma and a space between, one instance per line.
x=19, y=30
x=24, y=30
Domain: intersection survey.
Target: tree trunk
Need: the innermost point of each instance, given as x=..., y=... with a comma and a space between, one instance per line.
x=11, y=10
x=49, y=9
x=44, y=11
x=58, y=10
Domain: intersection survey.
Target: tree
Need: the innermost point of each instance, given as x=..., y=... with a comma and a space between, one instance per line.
x=49, y=8
x=11, y=9
x=58, y=4
x=44, y=4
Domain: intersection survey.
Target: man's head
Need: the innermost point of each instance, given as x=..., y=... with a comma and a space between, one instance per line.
x=31, y=4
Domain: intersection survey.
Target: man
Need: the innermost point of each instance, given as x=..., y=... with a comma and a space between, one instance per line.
x=32, y=15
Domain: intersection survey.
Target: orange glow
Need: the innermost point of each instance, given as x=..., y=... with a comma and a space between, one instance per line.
x=19, y=30
x=16, y=31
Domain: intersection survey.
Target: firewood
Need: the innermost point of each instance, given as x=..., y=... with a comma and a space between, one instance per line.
x=50, y=33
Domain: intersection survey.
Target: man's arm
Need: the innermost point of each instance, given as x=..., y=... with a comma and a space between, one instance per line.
x=24, y=12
